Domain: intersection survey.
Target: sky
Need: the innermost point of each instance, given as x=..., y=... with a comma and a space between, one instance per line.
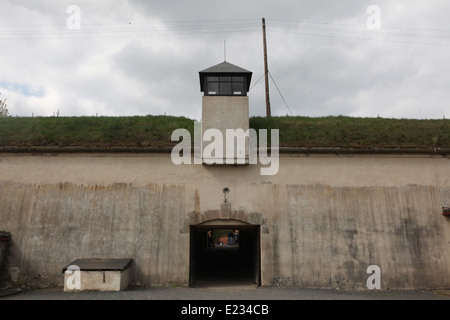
x=355, y=58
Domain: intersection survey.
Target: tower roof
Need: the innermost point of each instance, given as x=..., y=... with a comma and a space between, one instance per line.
x=224, y=69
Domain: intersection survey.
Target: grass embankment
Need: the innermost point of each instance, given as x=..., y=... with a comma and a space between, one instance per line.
x=348, y=132
x=155, y=131
x=137, y=131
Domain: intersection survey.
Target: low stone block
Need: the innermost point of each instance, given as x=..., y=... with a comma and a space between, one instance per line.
x=97, y=275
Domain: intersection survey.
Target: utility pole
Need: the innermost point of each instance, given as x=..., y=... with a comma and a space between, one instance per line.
x=266, y=69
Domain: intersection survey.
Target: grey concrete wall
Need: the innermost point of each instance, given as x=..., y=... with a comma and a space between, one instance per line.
x=222, y=113
x=324, y=218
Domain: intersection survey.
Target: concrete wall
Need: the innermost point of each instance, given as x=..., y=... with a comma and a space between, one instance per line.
x=222, y=113
x=324, y=218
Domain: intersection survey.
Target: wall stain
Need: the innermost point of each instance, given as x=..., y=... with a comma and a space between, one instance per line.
x=197, y=201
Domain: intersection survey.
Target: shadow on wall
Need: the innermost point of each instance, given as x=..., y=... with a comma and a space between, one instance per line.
x=5, y=239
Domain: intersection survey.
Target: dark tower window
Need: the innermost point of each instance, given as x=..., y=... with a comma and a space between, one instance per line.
x=225, y=86
x=225, y=79
x=238, y=85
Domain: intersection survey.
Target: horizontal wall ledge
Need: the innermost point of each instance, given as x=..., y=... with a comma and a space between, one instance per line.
x=338, y=150
x=282, y=150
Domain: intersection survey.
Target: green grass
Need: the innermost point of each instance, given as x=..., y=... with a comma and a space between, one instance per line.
x=155, y=131
x=352, y=132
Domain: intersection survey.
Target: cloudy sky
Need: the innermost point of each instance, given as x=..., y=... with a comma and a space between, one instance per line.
x=122, y=58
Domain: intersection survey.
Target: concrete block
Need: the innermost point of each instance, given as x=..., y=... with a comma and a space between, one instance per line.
x=97, y=275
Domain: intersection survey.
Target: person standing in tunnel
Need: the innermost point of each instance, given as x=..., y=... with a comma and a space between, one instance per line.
x=210, y=239
x=230, y=241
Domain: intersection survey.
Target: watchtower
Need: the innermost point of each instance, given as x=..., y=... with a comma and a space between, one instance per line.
x=225, y=106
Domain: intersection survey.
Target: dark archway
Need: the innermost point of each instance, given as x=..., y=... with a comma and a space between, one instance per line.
x=223, y=265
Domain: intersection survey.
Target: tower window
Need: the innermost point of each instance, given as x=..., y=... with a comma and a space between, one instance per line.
x=225, y=86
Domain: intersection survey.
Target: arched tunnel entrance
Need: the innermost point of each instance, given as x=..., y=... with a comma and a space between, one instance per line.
x=216, y=262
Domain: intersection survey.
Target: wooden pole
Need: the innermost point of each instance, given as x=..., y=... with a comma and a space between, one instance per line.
x=266, y=69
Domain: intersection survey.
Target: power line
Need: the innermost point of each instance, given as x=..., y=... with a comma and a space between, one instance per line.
x=369, y=39
x=198, y=27
x=136, y=29
x=132, y=29
x=359, y=25
x=341, y=30
x=125, y=23
x=103, y=36
x=365, y=32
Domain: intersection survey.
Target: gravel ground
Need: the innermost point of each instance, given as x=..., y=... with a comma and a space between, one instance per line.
x=227, y=293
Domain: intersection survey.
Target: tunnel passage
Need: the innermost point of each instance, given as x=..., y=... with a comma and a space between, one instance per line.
x=212, y=263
